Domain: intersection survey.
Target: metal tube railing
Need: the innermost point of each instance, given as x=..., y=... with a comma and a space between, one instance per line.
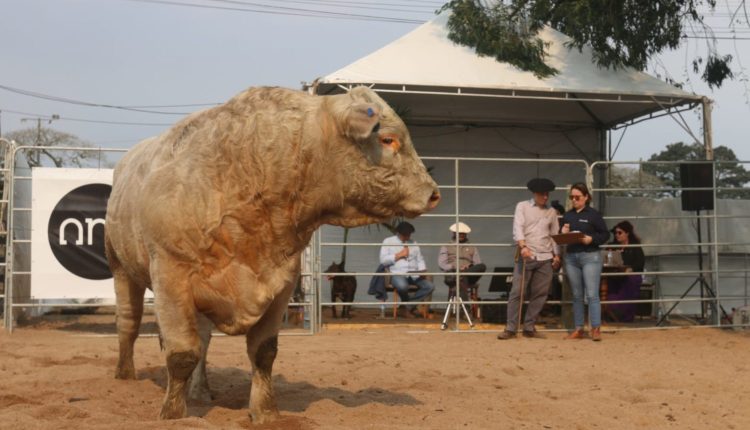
x=714, y=270
x=316, y=250
x=11, y=241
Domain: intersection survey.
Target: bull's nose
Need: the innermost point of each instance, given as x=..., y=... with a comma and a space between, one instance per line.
x=434, y=199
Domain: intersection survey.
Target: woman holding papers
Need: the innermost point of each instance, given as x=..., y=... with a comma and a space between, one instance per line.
x=583, y=261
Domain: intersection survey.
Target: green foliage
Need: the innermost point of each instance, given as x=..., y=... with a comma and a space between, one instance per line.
x=498, y=32
x=716, y=69
x=729, y=173
x=637, y=180
x=621, y=33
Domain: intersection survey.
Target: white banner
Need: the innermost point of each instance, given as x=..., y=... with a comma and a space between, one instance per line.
x=68, y=209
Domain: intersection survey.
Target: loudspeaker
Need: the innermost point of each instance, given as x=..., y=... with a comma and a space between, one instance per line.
x=699, y=175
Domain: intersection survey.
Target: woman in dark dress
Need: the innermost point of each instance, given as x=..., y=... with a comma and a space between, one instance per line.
x=626, y=287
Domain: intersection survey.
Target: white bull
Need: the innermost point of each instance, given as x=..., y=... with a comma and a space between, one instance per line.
x=213, y=214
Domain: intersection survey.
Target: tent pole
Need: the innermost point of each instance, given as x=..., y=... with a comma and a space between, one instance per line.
x=708, y=144
x=600, y=177
x=708, y=140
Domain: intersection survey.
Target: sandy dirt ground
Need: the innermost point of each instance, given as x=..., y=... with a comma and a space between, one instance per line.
x=59, y=375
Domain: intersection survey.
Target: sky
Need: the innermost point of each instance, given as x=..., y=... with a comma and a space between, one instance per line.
x=181, y=59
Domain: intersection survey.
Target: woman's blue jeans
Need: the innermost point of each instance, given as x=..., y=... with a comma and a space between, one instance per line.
x=584, y=270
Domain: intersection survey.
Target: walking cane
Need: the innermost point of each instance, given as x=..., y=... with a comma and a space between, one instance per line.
x=523, y=285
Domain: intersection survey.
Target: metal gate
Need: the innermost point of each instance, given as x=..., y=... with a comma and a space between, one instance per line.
x=463, y=182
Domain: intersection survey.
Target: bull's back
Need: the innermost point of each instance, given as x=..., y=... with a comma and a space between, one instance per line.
x=189, y=152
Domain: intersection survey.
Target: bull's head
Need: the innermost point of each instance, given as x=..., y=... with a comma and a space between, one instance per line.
x=383, y=176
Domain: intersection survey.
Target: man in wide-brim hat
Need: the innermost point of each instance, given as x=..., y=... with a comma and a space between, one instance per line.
x=463, y=257
x=534, y=222
x=403, y=258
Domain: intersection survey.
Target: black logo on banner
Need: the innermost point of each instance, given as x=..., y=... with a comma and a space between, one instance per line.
x=76, y=231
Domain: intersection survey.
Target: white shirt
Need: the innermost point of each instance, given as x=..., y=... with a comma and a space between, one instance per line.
x=535, y=225
x=413, y=263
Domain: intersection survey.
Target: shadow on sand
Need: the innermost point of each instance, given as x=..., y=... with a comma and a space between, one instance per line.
x=230, y=388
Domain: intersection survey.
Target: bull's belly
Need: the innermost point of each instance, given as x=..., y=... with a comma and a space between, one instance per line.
x=232, y=317
x=237, y=303
x=239, y=325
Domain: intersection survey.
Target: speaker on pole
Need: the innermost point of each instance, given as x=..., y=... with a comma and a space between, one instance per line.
x=697, y=175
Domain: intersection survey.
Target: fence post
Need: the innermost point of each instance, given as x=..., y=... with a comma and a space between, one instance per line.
x=9, y=165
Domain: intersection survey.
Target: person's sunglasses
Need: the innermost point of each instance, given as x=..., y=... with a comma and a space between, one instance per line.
x=619, y=232
x=576, y=198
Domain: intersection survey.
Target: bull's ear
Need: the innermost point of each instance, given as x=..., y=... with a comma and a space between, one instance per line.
x=360, y=120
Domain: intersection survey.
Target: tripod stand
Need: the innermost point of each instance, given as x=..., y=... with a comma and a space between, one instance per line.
x=453, y=303
x=700, y=280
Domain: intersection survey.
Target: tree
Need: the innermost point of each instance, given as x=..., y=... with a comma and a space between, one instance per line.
x=621, y=33
x=51, y=139
x=637, y=180
x=729, y=173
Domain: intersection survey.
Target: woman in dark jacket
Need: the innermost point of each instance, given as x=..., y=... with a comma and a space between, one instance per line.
x=583, y=261
x=626, y=287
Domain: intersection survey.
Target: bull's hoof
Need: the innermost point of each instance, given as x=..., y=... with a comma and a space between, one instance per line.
x=173, y=412
x=265, y=416
x=125, y=372
x=200, y=394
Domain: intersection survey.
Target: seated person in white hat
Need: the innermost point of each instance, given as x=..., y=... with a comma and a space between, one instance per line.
x=468, y=260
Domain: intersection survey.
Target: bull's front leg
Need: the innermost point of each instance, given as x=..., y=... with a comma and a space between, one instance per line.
x=262, y=345
x=262, y=397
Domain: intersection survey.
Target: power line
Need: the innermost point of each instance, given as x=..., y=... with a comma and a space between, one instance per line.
x=102, y=105
x=396, y=7
x=318, y=13
x=290, y=12
x=96, y=121
x=411, y=3
x=716, y=37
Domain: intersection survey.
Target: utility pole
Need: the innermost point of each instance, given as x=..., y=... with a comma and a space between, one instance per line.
x=38, y=120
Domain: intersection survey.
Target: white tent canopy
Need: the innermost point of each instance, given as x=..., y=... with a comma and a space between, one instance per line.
x=444, y=83
x=506, y=124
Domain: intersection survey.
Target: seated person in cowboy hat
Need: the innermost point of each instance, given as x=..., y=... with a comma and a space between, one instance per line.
x=463, y=257
x=403, y=258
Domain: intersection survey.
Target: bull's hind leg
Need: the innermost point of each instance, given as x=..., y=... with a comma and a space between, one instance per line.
x=198, y=388
x=178, y=324
x=262, y=345
x=128, y=319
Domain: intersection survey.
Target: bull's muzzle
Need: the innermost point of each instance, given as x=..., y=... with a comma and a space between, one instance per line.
x=434, y=199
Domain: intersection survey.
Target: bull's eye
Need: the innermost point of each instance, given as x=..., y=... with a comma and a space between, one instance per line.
x=390, y=141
